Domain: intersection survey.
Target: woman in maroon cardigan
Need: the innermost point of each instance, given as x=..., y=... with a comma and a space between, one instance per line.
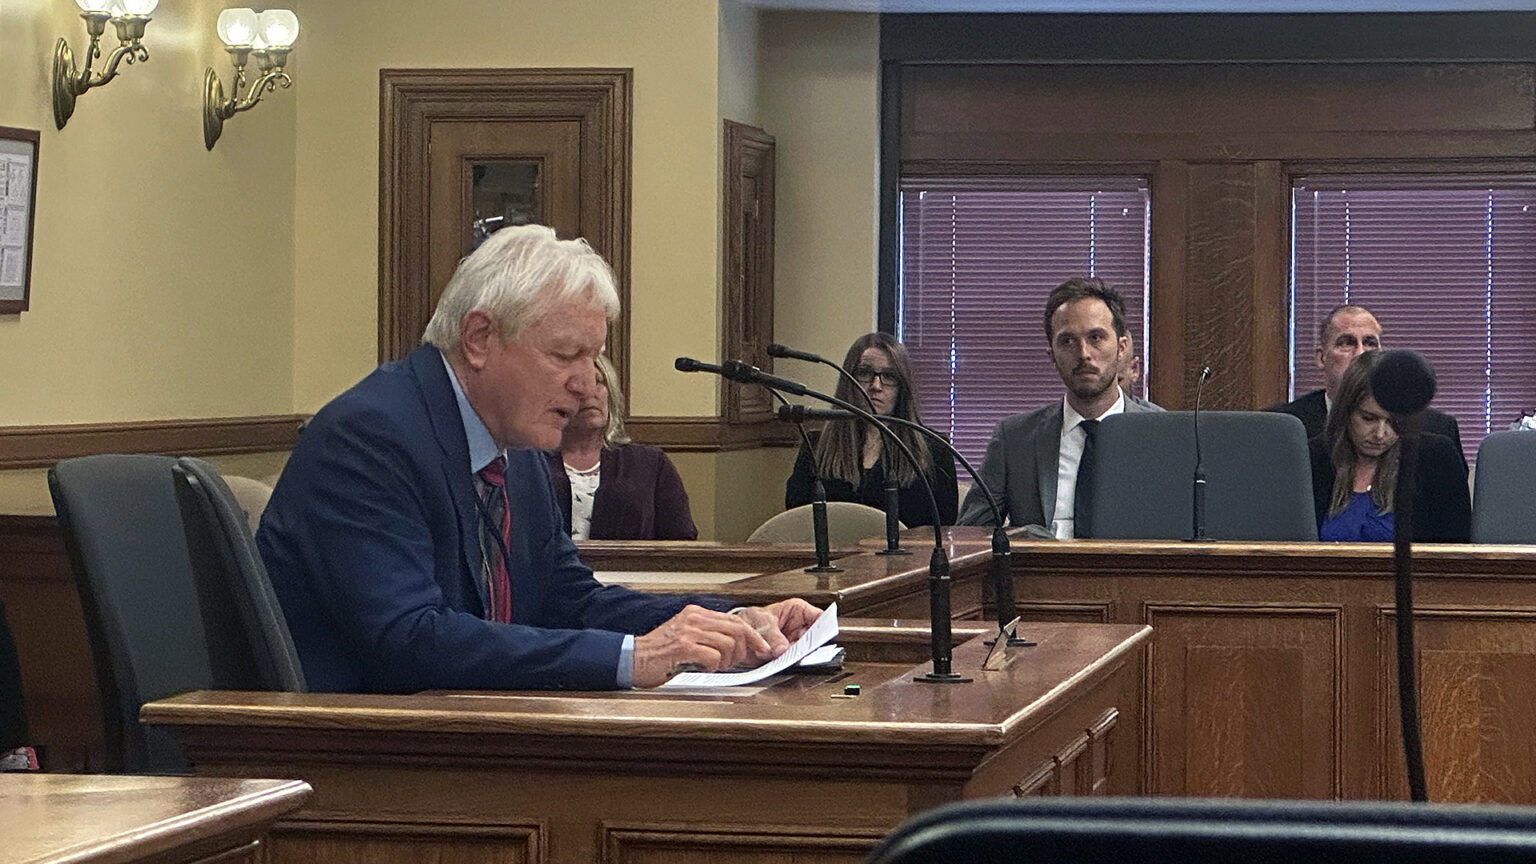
x=610, y=488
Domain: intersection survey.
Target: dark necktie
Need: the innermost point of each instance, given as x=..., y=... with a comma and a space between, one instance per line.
x=1082, y=508
x=495, y=537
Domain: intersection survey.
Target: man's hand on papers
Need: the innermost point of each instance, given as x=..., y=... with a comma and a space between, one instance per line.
x=703, y=640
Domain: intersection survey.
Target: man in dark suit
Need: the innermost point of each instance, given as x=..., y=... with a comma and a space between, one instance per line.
x=1345, y=333
x=414, y=540
x=1032, y=460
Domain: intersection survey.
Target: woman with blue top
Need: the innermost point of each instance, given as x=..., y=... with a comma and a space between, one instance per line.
x=1354, y=471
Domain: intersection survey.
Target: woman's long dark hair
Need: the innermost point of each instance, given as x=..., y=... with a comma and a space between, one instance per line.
x=1354, y=388
x=840, y=452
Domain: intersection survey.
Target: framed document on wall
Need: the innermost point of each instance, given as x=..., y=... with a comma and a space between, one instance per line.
x=18, y=201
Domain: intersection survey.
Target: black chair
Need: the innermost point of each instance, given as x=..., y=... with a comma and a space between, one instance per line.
x=154, y=630
x=1258, y=476
x=1504, y=489
x=1195, y=831
x=13, y=708
x=229, y=574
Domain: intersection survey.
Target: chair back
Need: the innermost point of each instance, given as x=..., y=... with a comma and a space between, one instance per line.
x=847, y=523
x=148, y=636
x=13, y=707
x=1504, y=494
x=230, y=575
x=251, y=496
x=1177, y=831
x=1258, y=476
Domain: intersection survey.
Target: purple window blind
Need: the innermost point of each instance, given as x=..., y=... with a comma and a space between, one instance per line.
x=978, y=257
x=1447, y=264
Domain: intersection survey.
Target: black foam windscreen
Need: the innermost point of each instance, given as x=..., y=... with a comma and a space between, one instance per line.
x=1403, y=382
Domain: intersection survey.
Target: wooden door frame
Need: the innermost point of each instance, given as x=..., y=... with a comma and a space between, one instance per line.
x=411, y=100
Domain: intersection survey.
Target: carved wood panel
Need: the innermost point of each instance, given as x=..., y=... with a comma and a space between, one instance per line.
x=747, y=307
x=1477, y=688
x=1245, y=701
x=696, y=844
x=370, y=842
x=413, y=101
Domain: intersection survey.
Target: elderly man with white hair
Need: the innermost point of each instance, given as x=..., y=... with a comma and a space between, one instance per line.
x=414, y=541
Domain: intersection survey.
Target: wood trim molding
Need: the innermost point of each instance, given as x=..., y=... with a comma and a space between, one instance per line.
x=708, y=434
x=411, y=100
x=38, y=446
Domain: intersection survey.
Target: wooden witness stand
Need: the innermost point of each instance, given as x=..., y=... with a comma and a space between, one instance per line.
x=793, y=769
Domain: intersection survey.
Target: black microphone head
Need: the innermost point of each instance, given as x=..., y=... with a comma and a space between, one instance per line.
x=776, y=350
x=685, y=364
x=738, y=371
x=1403, y=382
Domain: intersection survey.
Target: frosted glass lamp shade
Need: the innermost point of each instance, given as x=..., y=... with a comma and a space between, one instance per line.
x=132, y=7
x=94, y=5
x=236, y=26
x=278, y=27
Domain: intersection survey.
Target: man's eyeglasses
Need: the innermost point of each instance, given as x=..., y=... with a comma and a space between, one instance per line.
x=866, y=375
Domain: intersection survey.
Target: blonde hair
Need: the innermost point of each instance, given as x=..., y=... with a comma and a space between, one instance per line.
x=613, y=434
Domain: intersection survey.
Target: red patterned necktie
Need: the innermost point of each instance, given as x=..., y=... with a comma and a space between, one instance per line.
x=497, y=516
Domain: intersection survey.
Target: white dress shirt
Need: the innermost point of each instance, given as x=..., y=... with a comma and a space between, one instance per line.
x=1070, y=456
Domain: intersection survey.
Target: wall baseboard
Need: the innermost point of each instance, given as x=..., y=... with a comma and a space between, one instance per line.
x=39, y=446
x=708, y=434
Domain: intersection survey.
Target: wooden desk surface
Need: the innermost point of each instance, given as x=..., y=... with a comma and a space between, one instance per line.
x=892, y=708
x=74, y=818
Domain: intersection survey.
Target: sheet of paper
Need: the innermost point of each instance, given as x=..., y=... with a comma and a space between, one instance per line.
x=824, y=654
x=819, y=634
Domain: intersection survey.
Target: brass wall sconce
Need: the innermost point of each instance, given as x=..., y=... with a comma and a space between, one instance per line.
x=268, y=37
x=129, y=17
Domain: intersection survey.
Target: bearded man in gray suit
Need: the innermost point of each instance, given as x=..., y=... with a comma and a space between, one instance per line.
x=1032, y=460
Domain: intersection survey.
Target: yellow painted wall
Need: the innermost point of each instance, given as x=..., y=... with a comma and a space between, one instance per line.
x=820, y=98
x=162, y=274
x=672, y=47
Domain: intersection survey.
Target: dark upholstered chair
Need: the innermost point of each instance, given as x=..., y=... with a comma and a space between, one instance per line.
x=13, y=708
x=229, y=574
x=1258, y=476
x=155, y=630
x=1195, y=831
x=1504, y=489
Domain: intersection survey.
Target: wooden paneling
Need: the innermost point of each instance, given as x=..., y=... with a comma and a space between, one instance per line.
x=708, y=434
x=1272, y=668
x=792, y=771
x=38, y=446
x=412, y=101
x=58, y=676
x=1226, y=139
x=684, y=844
x=1244, y=701
x=378, y=842
x=1477, y=673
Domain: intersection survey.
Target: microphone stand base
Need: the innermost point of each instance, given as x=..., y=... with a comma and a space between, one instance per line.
x=897, y=551
x=942, y=678
x=823, y=568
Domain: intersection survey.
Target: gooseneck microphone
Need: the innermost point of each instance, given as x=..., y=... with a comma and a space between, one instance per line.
x=938, y=562
x=1197, y=532
x=1000, y=569
x=1403, y=383
x=819, y=529
x=892, y=497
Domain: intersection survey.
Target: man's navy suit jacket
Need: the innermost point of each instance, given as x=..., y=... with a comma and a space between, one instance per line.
x=371, y=541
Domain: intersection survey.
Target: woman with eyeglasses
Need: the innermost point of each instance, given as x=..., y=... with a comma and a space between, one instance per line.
x=1354, y=471
x=610, y=488
x=853, y=459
